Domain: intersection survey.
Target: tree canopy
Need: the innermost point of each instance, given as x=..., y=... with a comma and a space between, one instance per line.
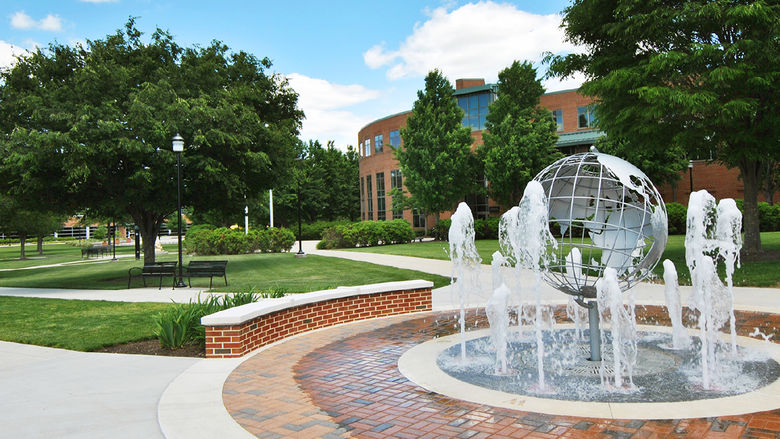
x=91, y=127
x=520, y=137
x=702, y=76
x=436, y=160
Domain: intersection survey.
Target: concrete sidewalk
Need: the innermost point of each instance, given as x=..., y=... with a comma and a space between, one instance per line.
x=49, y=393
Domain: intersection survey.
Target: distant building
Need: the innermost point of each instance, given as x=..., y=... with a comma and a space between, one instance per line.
x=379, y=170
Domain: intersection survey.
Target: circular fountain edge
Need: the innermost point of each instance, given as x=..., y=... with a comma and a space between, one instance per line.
x=416, y=365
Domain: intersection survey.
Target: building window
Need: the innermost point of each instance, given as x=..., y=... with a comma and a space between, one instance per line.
x=418, y=219
x=558, y=118
x=475, y=109
x=381, y=211
x=378, y=143
x=363, y=198
x=367, y=147
x=395, y=139
x=585, y=117
x=396, y=182
x=369, y=199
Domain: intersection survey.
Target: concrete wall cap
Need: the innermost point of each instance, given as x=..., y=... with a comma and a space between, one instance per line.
x=245, y=313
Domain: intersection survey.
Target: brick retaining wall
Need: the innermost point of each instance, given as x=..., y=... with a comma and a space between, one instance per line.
x=238, y=331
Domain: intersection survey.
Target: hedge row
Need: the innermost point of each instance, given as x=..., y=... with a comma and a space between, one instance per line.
x=768, y=219
x=483, y=229
x=313, y=231
x=367, y=233
x=204, y=240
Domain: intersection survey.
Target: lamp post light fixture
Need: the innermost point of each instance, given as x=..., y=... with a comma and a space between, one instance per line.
x=690, y=174
x=178, y=147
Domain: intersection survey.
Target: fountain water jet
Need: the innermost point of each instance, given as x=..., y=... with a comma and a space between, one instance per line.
x=465, y=262
x=680, y=337
x=525, y=236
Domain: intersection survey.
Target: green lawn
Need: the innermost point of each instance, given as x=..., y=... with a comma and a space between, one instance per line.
x=89, y=325
x=244, y=272
x=759, y=274
x=81, y=325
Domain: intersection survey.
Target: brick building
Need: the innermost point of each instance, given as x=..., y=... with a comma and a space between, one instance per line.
x=379, y=170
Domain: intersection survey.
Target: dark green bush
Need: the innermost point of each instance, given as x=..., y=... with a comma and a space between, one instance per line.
x=676, y=214
x=768, y=217
x=441, y=231
x=224, y=241
x=314, y=230
x=366, y=233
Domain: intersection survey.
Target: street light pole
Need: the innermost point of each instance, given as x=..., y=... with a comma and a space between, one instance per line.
x=300, y=253
x=178, y=147
x=690, y=174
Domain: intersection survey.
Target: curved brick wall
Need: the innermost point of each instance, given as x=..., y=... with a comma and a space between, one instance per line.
x=236, y=331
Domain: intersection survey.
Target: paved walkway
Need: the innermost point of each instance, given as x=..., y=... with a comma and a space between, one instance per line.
x=51, y=392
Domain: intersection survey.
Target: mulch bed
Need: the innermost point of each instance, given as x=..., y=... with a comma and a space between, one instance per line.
x=152, y=347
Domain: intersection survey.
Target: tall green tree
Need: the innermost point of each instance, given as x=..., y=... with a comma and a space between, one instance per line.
x=92, y=126
x=328, y=186
x=519, y=138
x=15, y=217
x=701, y=75
x=436, y=161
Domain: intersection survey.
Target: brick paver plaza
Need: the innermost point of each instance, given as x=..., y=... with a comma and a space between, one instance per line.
x=344, y=382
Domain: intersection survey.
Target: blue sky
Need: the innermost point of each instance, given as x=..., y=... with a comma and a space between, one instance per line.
x=352, y=62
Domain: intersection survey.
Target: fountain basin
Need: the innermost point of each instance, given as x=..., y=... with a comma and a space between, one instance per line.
x=421, y=365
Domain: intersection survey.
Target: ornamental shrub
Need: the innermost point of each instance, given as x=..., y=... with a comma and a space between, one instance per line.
x=366, y=233
x=677, y=215
x=441, y=231
x=224, y=241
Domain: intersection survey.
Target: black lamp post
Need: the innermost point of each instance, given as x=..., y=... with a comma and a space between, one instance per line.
x=690, y=173
x=300, y=253
x=178, y=147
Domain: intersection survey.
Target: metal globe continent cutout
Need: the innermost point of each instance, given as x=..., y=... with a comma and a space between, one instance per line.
x=604, y=212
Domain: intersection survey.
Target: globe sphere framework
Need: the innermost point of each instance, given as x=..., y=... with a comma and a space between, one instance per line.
x=604, y=212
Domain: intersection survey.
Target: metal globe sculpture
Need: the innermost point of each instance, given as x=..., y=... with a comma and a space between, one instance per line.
x=604, y=212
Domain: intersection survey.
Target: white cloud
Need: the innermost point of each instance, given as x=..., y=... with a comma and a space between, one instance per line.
x=326, y=107
x=51, y=23
x=8, y=54
x=20, y=20
x=475, y=40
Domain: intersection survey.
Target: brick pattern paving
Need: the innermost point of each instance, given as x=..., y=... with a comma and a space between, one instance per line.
x=344, y=382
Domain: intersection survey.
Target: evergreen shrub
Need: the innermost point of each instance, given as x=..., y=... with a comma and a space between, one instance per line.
x=366, y=234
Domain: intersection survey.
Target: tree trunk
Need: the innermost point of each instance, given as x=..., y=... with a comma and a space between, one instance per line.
x=750, y=170
x=40, y=245
x=149, y=224
x=22, y=241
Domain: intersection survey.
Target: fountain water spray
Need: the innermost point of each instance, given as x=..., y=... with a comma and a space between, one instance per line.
x=703, y=241
x=465, y=262
x=680, y=337
x=498, y=318
x=525, y=235
x=622, y=321
x=728, y=232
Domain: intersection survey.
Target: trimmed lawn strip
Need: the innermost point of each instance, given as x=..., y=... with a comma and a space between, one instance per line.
x=80, y=325
x=751, y=274
x=244, y=273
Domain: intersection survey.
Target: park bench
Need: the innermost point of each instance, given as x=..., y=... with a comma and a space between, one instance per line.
x=94, y=250
x=207, y=269
x=158, y=269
